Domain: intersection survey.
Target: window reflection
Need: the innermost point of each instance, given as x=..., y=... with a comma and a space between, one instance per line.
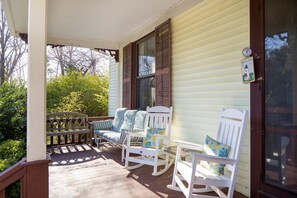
x=281, y=94
x=146, y=94
x=146, y=57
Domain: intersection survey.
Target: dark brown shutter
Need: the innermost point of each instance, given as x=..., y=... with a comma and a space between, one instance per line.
x=163, y=64
x=127, y=76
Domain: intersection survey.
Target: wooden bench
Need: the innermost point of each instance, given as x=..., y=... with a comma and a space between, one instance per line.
x=67, y=128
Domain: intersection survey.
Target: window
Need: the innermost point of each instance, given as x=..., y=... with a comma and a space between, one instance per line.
x=146, y=67
x=147, y=70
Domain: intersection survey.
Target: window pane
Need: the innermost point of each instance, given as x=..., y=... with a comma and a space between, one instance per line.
x=146, y=92
x=146, y=57
x=281, y=94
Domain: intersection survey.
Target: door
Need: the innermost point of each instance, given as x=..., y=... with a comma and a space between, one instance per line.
x=274, y=98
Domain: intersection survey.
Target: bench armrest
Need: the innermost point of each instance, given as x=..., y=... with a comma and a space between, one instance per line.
x=132, y=137
x=102, y=125
x=136, y=135
x=132, y=130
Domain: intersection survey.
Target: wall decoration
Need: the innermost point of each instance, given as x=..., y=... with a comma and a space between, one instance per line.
x=247, y=70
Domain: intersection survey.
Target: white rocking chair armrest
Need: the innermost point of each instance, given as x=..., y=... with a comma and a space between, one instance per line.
x=189, y=145
x=136, y=134
x=211, y=158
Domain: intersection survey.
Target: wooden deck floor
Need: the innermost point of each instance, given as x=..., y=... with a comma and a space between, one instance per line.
x=82, y=171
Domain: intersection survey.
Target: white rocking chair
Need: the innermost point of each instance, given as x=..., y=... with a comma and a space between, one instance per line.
x=230, y=132
x=157, y=117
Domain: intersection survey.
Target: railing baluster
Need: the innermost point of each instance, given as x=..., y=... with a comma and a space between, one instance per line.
x=59, y=140
x=23, y=187
x=2, y=193
x=52, y=140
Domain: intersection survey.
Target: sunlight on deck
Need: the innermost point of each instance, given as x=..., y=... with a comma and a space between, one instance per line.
x=81, y=171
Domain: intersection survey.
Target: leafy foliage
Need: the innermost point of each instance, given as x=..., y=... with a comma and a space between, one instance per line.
x=13, y=111
x=78, y=93
x=11, y=151
x=72, y=103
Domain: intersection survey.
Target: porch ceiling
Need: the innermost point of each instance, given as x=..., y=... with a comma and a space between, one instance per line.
x=97, y=23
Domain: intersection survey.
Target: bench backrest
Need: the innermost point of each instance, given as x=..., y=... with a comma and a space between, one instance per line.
x=63, y=121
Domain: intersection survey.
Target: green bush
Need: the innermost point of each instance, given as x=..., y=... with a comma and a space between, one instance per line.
x=78, y=93
x=13, y=111
x=11, y=151
x=72, y=103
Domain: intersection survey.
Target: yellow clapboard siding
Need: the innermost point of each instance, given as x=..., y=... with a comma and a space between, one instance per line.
x=206, y=75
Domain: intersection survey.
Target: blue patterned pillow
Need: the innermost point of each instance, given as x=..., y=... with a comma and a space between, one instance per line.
x=213, y=147
x=150, y=140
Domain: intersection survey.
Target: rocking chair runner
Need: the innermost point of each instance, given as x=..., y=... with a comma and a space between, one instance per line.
x=230, y=133
x=157, y=127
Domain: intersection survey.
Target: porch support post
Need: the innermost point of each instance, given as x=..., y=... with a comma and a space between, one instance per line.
x=36, y=107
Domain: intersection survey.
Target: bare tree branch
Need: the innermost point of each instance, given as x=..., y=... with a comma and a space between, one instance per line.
x=69, y=58
x=12, y=51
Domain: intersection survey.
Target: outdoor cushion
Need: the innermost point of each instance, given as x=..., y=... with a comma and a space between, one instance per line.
x=133, y=139
x=129, y=119
x=150, y=138
x=112, y=136
x=139, y=120
x=215, y=148
x=118, y=119
x=101, y=132
x=102, y=124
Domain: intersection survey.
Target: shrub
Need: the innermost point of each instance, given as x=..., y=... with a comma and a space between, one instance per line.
x=11, y=151
x=78, y=93
x=13, y=111
x=72, y=103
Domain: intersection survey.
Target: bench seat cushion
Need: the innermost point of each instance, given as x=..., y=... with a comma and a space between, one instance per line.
x=101, y=132
x=112, y=136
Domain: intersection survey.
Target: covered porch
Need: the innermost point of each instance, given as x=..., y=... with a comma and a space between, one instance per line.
x=205, y=53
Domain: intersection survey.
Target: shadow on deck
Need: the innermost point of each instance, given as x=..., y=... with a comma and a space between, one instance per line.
x=81, y=171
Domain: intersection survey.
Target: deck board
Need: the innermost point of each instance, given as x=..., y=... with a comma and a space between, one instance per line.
x=100, y=173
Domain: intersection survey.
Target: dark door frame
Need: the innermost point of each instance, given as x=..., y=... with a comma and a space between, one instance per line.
x=259, y=188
